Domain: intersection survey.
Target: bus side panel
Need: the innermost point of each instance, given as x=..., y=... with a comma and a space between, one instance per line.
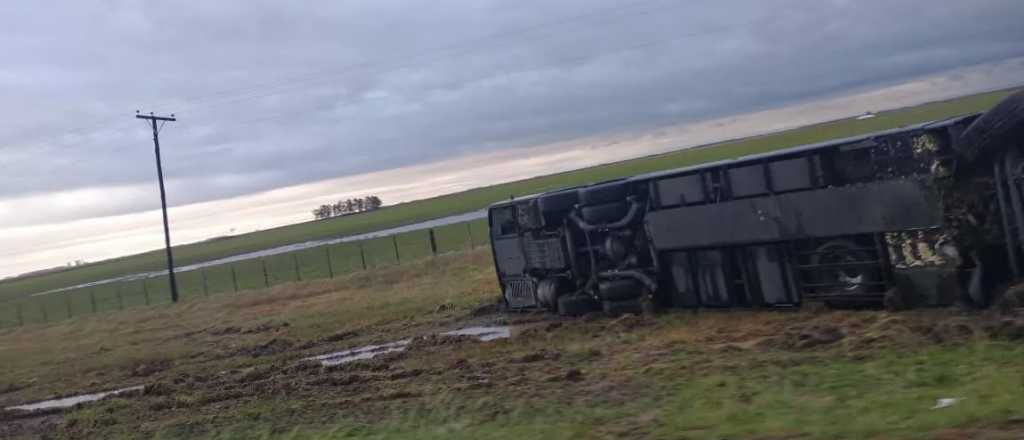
x=857, y=209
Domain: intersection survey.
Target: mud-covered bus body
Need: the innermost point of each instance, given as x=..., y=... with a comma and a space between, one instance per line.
x=905, y=217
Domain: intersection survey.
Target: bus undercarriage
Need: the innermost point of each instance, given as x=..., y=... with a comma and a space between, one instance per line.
x=926, y=215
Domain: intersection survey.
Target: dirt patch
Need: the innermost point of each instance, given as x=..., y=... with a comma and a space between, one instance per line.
x=269, y=348
x=570, y=375
x=263, y=327
x=1012, y=429
x=339, y=336
x=1011, y=300
x=488, y=307
x=629, y=322
x=266, y=327
x=16, y=425
x=1011, y=329
x=335, y=337
x=7, y=388
x=537, y=356
x=859, y=331
x=222, y=331
x=801, y=338
x=149, y=368
x=157, y=389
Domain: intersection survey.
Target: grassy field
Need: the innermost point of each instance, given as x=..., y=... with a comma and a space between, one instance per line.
x=478, y=198
x=228, y=367
x=304, y=265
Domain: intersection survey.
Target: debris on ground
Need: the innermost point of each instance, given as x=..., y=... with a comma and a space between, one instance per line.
x=946, y=402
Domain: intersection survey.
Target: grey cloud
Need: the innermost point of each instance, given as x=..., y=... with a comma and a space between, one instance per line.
x=272, y=94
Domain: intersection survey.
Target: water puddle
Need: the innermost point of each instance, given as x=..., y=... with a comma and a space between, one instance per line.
x=361, y=353
x=68, y=402
x=484, y=334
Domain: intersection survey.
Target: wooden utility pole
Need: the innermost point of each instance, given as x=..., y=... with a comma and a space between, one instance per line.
x=163, y=194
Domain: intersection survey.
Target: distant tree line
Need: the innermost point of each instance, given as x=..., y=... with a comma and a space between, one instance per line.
x=346, y=207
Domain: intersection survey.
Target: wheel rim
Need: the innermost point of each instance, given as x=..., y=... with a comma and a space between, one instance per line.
x=845, y=279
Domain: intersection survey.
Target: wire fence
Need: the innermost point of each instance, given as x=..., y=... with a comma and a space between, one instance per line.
x=320, y=262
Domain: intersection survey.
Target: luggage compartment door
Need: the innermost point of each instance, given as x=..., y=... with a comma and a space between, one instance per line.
x=770, y=276
x=730, y=277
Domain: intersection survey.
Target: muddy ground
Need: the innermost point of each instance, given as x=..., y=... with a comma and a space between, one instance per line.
x=579, y=362
x=232, y=367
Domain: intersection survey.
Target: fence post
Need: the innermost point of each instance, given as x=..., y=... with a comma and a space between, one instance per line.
x=330, y=264
x=298, y=273
x=206, y=285
x=266, y=278
x=469, y=231
x=394, y=241
x=145, y=290
x=120, y=299
x=17, y=310
x=362, y=255
x=234, y=278
x=67, y=303
x=42, y=308
x=92, y=299
x=433, y=242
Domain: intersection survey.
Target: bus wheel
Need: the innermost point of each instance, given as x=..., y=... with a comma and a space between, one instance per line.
x=994, y=129
x=576, y=305
x=841, y=267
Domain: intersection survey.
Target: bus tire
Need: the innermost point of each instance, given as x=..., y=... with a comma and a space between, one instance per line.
x=576, y=305
x=995, y=128
x=619, y=290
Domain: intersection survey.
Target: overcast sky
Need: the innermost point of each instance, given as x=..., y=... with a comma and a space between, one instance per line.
x=279, y=94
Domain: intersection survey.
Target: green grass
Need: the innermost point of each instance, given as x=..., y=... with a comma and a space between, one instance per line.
x=481, y=197
x=303, y=265
x=887, y=397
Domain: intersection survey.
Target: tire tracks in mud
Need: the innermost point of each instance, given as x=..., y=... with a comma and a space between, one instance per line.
x=230, y=375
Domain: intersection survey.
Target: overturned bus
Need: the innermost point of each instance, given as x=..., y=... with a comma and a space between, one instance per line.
x=930, y=214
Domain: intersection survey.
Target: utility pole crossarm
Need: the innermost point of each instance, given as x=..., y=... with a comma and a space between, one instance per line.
x=156, y=118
